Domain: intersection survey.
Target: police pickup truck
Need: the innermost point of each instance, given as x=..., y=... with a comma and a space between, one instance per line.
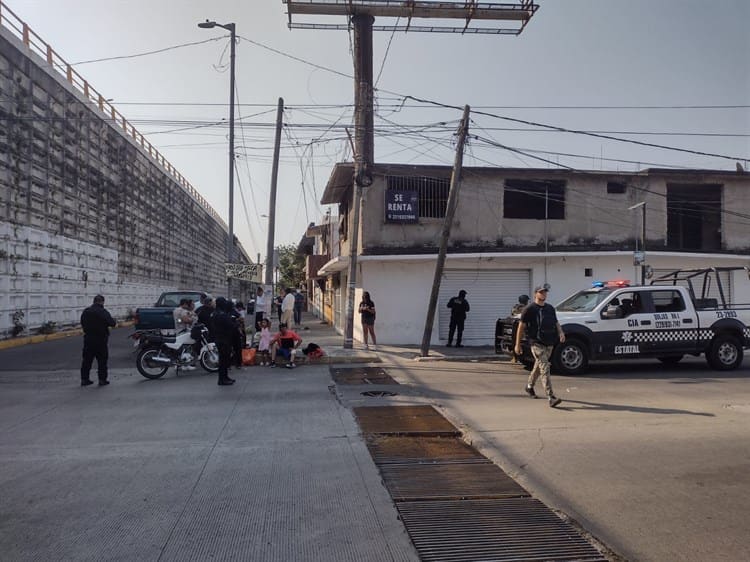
x=668, y=319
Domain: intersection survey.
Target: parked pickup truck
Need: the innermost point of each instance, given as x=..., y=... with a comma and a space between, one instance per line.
x=668, y=319
x=159, y=317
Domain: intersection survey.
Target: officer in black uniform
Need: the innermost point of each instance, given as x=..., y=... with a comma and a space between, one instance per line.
x=96, y=322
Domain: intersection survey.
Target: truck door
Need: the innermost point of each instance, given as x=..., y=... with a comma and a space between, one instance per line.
x=675, y=328
x=625, y=318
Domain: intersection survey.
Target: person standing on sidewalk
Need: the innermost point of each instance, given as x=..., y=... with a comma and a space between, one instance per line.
x=260, y=307
x=299, y=305
x=287, y=308
x=539, y=322
x=96, y=322
x=459, y=307
x=367, y=314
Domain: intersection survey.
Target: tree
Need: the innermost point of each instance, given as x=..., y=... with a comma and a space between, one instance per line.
x=291, y=266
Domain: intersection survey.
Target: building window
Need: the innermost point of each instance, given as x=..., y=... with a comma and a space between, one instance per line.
x=534, y=199
x=432, y=193
x=694, y=217
x=616, y=187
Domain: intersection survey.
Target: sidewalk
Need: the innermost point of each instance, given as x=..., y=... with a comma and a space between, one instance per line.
x=326, y=337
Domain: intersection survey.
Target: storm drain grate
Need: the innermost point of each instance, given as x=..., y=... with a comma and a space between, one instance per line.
x=361, y=375
x=404, y=420
x=499, y=530
x=395, y=449
x=414, y=482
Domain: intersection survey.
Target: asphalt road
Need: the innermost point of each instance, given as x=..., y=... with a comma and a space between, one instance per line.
x=65, y=354
x=652, y=460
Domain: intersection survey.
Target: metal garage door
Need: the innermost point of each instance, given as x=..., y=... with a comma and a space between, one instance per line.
x=491, y=294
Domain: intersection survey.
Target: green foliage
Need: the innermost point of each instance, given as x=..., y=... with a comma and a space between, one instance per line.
x=291, y=266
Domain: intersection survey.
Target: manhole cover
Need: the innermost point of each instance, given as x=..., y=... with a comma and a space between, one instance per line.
x=378, y=393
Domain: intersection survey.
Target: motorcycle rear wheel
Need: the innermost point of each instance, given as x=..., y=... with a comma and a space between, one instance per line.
x=209, y=360
x=147, y=367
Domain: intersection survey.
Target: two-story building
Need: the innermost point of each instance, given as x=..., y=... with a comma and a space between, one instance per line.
x=518, y=228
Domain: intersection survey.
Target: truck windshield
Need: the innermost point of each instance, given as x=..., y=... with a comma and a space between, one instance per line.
x=583, y=301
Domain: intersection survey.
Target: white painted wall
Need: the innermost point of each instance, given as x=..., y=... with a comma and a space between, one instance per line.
x=53, y=278
x=400, y=285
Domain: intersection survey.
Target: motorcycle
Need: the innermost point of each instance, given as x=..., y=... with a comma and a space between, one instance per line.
x=157, y=352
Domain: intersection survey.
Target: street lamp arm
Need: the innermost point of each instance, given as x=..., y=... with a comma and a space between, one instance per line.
x=211, y=24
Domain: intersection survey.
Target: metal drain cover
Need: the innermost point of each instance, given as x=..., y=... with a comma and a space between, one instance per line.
x=404, y=420
x=396, y=449
x=514, y=529
x=378, y=393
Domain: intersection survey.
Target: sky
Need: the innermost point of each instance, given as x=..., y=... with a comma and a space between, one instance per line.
x=674, y=73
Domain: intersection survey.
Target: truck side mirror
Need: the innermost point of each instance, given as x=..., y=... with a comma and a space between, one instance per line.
x=612, y=312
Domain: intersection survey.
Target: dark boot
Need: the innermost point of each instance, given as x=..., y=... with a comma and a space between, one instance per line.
x=226, y=381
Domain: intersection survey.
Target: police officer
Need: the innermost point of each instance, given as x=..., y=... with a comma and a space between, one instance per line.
x=96, y=322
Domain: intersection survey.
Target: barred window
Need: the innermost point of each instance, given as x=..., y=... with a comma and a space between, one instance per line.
x=534, y=199
x=432, y=193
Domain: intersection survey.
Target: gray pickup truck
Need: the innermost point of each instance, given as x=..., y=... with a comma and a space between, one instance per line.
x=159, y=317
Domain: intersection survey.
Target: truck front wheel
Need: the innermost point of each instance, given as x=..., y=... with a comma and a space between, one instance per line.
x=570, y=358
x=725, y=353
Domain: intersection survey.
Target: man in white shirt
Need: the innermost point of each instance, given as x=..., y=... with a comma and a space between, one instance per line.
x=260, y=307
x=287, y=307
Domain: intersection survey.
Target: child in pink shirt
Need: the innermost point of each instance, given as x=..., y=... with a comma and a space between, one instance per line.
x=264, y=347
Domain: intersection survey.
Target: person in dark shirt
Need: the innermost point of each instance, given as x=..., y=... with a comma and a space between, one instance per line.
x=459, y=307
x=205, y=312
x=96, y=322
x=224, y=333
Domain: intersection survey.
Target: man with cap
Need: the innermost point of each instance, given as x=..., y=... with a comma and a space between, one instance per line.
x=96, y=322
x=459, y=307
x=539, y=323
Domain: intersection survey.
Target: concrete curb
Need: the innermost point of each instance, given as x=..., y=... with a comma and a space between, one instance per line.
x=26, y=340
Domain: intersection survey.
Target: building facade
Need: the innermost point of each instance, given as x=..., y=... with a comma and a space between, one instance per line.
x=518, y=228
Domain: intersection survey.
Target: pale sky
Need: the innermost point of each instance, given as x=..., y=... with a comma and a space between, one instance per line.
x=643, y=70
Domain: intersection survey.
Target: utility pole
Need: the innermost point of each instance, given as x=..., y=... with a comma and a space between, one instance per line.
x=363, y=155
x=446, y=232
x=268, y=281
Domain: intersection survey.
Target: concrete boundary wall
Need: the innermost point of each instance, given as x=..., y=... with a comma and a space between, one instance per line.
x=51, y=278
x=86, y=209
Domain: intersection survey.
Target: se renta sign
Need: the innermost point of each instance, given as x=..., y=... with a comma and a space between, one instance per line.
x=401, y=206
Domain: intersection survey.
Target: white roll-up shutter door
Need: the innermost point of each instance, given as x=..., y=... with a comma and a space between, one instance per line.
x=713, y=291
x=491, y=295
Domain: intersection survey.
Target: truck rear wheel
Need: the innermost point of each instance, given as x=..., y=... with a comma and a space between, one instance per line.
x=725, y=353
x=570, y=358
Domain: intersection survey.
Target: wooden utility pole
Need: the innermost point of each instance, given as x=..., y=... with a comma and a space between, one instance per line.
x=268, y=280
x=446, y=232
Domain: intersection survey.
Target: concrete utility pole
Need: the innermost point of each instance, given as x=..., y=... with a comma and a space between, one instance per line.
x=446, y=232
x=363, y=155
x=268, y=281
x=360, y=17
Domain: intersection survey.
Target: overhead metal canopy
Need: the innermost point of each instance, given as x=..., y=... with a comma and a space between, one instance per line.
x=469, y=10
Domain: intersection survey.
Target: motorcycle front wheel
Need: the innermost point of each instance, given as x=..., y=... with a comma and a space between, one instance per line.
x=148, y=367
x=209, y=359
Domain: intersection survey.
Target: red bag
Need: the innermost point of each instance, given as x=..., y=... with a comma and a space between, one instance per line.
x=248, y=356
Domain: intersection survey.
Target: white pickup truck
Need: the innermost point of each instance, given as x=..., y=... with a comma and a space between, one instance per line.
x=668, y=319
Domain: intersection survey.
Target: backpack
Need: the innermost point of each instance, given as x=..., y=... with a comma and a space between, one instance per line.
x=545, y=329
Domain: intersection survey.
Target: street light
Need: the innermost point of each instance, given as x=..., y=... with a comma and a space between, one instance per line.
x=230, y=238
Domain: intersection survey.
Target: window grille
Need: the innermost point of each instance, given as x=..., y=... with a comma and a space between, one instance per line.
x=432, y=193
